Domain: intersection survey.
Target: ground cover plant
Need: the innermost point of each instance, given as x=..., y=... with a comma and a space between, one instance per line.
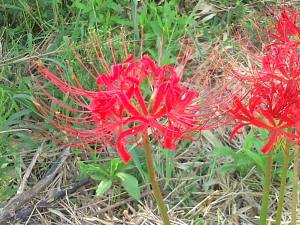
x=199, y=188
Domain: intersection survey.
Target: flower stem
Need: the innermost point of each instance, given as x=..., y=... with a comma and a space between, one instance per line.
x=295, y=187
x=154, y=183
x=265, y=199
x=283, y=183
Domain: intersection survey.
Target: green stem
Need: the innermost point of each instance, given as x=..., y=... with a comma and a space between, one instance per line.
x=265, y=199
x=283, y=183
x=295, y=187
x=154, y=183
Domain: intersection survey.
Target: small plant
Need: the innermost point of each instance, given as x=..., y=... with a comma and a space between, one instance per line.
x=250, y=155
x=110, y=173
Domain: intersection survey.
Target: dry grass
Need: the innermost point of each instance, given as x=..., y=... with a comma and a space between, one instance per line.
x=208, y=198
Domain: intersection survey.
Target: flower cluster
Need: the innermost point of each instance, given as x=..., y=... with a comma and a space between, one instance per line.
x=135, y=98
x=273, y=98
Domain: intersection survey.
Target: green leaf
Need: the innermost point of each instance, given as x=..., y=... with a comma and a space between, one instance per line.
x=28, y=140
x=167, y=8
x=115, y=7
x=86, y=167
x=30, y=41
x=248, y=141
x=87, y=9
x=80, y=5
x=242, y=159
x=258, y=144
x=130, y=184
x=263, y=133
x=223, y=151
x=143, y=16
x=226, y=168
x=168, y=153
x=17, y=115
x=258, y=160
x=156, y=28
x=135, y=157
x=103, y=186
x=126, y=23
x=22, y=96
x=98, y=177
x=114, y=166
x=7, y=6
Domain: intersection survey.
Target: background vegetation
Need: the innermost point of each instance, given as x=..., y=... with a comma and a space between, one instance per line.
x=39, y=30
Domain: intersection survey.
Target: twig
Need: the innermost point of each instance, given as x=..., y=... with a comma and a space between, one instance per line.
x=27, y=58
x=29, y=169
x=27, y=210
x=121, y=203
x=8, y=209
x=14, y=130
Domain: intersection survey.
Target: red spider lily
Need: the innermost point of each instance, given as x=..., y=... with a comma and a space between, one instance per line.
x=253, y=65
x=271, y=106
x=285, y=27
x=282, y=63
x=271, y=76
x=121, y=111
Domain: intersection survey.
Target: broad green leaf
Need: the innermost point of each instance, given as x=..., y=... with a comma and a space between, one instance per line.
x=156, y=28
x=114, y=166
x=248, y=141
x=115, y=7
x=17, y=115
x=87, y=167
x=98, y=177
x=258, y=160
x=125, y=23
x=80, y=5
x=167, y=8
x=103, y=186
x=130, y=184
x=227, y=167
x=263, y=133
x=258, y=144
x=87, y=9
x=242, y=159
x=223, y=151
x=133, y=152
x=23, y=96
x=143, y=16
x=28, y=140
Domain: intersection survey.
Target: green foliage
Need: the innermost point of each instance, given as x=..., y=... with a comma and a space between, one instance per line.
x=163, y=27
x=251, y=155
x=246, y=159
x=8, y=163
x=110, y=173
x=103, y=12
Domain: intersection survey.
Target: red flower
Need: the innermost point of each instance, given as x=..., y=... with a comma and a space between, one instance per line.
x=267, y=50
x=285, y=27
x=122, y=111
x=282, y=63
x=272, y=107
x=271, y=77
